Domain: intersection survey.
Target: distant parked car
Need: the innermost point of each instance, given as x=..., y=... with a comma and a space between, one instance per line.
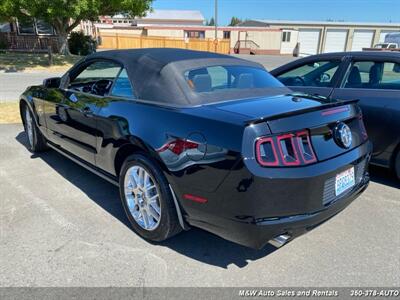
x=371, y=77
x=202, y=139
x=386, y=46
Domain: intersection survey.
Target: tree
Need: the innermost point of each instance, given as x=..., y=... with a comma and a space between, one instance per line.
x=211, y=22
x=235, y=21
x=65, y=15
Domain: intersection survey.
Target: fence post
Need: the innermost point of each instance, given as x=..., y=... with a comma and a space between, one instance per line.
x=50, y=55
x=117, y=37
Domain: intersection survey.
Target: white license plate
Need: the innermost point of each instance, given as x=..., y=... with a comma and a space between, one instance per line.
x=344, y=181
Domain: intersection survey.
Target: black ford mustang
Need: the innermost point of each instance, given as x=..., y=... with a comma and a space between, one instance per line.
x=202, y=139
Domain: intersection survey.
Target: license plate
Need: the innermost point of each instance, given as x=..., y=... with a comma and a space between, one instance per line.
x=344, y=181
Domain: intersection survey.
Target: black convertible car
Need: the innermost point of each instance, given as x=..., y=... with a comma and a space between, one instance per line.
x=202, y=139
x=370, y=76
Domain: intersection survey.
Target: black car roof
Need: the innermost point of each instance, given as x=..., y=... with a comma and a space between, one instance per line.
x=164, y=55
x=156, y=74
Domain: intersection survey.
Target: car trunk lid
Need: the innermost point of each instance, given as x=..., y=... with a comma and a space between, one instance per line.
x=295, y=113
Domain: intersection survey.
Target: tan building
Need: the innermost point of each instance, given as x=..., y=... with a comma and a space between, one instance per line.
x=157, y=17
x=188, y=26
x=241, y=39
x=320, y=37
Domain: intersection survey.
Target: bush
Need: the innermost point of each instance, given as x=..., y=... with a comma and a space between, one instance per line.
x=80, y=44
x=3, y=44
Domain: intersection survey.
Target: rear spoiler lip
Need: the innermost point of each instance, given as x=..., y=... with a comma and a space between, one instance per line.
x=302, y=111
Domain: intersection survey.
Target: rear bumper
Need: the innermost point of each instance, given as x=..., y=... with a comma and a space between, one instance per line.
x=257, y=234
x=262, y=208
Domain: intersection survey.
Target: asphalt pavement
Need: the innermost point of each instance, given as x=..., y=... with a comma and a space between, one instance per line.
x=63, y=226
x=13, y=84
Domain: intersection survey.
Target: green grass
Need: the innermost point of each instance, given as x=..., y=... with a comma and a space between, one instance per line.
x=12, y=61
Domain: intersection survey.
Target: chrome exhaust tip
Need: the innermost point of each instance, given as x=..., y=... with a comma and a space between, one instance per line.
x=279, y=240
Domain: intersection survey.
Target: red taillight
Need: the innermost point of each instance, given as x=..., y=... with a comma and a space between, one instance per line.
x=266, y=152
x=287, y=150
x=305, y=147
x=294, y=149
x=178, y=146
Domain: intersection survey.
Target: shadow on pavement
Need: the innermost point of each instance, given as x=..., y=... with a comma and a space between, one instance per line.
x=383, y=176
x=195, y=243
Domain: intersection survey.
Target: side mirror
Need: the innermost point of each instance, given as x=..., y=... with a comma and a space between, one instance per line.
x=53, y=82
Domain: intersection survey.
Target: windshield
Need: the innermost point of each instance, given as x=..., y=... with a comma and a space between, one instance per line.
x=215, y=79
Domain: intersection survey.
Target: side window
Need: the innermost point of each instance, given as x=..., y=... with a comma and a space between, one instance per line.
x=97, y=78
x=318, y=74
x=391, y=76
x=122, y=86
x=373, y=75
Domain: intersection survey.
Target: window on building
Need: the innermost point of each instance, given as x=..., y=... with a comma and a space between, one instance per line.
x=195, y=34
x=227, y=35
x=43, y=27
x=286, y=36
x=26, y=26
x=34, y=26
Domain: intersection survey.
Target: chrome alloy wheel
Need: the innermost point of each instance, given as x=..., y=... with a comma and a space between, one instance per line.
x=142, y=197
x=29, y=126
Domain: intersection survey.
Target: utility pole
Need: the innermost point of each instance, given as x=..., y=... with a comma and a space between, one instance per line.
x=216, y=24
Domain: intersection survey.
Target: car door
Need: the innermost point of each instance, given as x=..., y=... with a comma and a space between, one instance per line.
x=311, y=76
x=71, y=110
x=113, y=125
x=376, y=83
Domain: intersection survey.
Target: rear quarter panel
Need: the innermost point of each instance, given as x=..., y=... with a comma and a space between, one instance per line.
x=122, y=122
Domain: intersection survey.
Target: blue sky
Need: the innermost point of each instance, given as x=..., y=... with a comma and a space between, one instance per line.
x=312, y=10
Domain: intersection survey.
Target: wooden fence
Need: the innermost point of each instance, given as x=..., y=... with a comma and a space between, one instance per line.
x=29, y=42
x=125, y=41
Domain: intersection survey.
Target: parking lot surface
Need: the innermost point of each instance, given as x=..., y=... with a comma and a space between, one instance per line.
x=13, y=84
x=63, y=226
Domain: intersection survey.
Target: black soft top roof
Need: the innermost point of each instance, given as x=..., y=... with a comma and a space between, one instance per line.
x=162, y=55
x=156, y=74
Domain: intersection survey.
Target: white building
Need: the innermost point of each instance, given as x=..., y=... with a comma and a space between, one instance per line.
x=320, y=37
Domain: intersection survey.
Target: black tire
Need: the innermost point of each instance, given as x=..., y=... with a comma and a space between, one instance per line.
x=397, y=165
x=168, y=224
x=36, y=141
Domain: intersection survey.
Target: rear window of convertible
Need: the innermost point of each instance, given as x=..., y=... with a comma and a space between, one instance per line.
x=223, y=78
